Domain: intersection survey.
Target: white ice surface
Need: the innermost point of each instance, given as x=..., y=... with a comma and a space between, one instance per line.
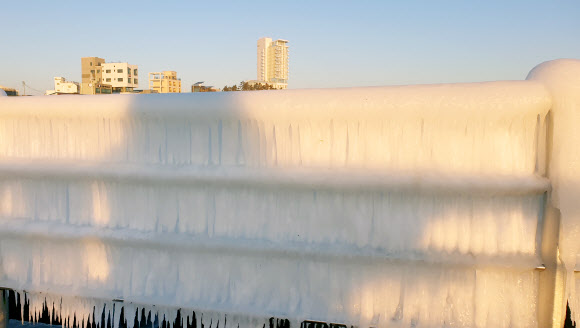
x=395, y=206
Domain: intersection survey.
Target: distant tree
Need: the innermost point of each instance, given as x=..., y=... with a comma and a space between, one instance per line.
x=246, y=86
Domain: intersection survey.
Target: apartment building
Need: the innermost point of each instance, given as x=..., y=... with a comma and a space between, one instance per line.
x=62, y=86
x=164, y=82
x=91, y=74
x=122, y=77
x=99, y=77
x=273, y=62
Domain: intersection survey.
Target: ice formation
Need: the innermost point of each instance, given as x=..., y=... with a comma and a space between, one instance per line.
x=416, y=206
x=562, y=79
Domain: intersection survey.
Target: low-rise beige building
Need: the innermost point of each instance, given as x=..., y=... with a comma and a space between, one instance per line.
x=199, y=87
x=62, y=86
x=165, y=82
x=91, y=74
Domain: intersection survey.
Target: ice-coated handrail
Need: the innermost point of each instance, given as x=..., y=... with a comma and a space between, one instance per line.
x=501, y=98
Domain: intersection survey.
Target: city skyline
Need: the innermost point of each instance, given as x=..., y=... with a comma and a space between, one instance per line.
x=334, y=44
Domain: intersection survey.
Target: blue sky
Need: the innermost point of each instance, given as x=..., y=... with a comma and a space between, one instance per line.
x=332, y=43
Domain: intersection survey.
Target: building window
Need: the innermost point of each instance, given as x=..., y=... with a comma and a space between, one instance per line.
x=135, y=81
x=109, y=80
x=91, y=63
x=129, y=80
x=108, y=71
x=120, y=79
x=119, y=71
x=135, y=72
x=93, y=71
x=98, y=71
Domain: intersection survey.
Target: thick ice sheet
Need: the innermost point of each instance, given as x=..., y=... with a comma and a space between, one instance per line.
x=264, y=203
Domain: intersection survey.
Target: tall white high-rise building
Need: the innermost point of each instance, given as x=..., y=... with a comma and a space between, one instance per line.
x=273, y=62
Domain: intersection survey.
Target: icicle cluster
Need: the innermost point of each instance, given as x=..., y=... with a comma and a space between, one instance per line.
x=83, y=312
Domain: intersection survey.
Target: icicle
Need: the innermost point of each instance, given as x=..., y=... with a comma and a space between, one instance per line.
x=22, y=303
x=84, y=312
x=62, y=318
x=172, y=313
x=129, y=314
x=59, y=311
x=117, y=315
x=49, y=308
x=139, y=311
x=100, y=306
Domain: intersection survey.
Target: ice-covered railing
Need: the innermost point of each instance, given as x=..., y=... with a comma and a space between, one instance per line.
x=390, y=206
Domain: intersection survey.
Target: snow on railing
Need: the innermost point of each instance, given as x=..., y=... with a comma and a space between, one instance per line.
x=402, y=206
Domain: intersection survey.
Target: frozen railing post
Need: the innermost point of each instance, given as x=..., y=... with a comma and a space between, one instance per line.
x=562, y=79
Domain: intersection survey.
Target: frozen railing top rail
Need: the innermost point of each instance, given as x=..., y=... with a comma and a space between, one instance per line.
x=489, y=99
x=305, y=204
x=354, y=128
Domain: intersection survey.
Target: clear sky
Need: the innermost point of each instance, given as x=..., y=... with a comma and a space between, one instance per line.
x=332, y=43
